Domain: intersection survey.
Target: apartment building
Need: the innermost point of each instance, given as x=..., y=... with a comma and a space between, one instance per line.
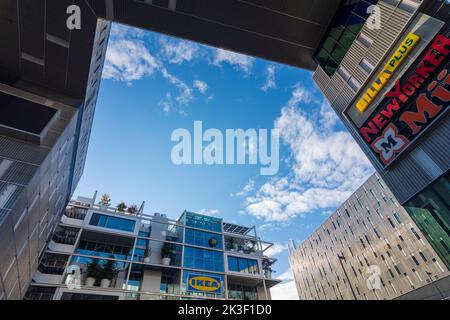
x=152, y=257
x=369, y=249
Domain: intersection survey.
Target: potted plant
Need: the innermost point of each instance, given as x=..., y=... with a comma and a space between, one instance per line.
x=121, y=207
x=166, y=251
x=147, y=254
x=105, y=201
x=132, y=209
x=108, y=273
x=268, y=273
x=92, y=274
x=252, y=248
x=231, y=244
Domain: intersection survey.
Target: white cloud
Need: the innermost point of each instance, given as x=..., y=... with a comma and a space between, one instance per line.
x=327, y=165
x=128, y=60
x=119, y=31
x=239, y=61
x=299, y=95
x=186, y=94
x=285, y=290
x=276, y=249
x=166, y=103
x=201, y=86
x=249, y=187
x=178, y=51
x=209, y=212
x=270, y=78
x=328, y=118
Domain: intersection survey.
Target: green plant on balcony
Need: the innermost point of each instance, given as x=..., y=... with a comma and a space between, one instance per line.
x=93, y=272
x=121, y=207
x=108, y=272
x=166, y=251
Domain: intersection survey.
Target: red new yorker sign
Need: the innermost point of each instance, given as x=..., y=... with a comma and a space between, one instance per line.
x=419, y=97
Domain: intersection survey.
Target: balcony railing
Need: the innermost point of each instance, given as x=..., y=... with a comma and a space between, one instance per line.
x=76, y=213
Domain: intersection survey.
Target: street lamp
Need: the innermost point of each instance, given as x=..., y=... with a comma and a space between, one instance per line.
x=345, y=272
x=435, y=285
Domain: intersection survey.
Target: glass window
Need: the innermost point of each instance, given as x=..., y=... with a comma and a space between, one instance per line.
x=240, y=292
x=345, y=75
x=142, y=242
x=365, y=40
x=243, y=265
x=354, y=84
x=347, y=39
x=344, y=28
x=203, y=222
x=203, y=239
x=196, y=258
x=397, y=217
x=430, y=210
x=233, y=264
x=101, y=220
x=366, y=65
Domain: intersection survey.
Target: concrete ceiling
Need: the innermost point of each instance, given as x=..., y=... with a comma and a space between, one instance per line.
x=285, y=31
x=38, y=49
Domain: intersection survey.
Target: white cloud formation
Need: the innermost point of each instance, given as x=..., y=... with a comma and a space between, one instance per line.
x=177, y=51
x=167, y=103
x=186, y=94
x=287, y=289
x=209, y=212
x=328, y=118
x=119, y=31
x=270, y=78
x=327, y=165
x=128, y=60
x=239, y=61
x=276, y=249
x=249, y=187
x=201, y=86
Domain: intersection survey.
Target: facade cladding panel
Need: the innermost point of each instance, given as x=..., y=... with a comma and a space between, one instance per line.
x=425, y=158
x=38, y=175
x=408, y=175
x=369, y=229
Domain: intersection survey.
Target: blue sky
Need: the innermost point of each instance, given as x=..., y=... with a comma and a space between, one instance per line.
x=153, y=84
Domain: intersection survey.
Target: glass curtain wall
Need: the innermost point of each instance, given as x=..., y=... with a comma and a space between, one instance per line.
x=430, y=210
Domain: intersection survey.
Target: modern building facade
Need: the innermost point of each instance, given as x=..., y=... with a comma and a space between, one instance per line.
x=386, y=76
x=46, y=112
x=153, y=257
x=369, y=238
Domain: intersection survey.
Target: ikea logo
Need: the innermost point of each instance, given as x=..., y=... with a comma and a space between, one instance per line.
x=200, y=283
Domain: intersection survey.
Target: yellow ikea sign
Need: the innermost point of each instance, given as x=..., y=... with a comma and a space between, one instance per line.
x=394, y=62
x=203, y=283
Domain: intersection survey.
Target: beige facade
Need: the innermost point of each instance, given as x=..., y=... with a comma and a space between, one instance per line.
x=369, y=232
